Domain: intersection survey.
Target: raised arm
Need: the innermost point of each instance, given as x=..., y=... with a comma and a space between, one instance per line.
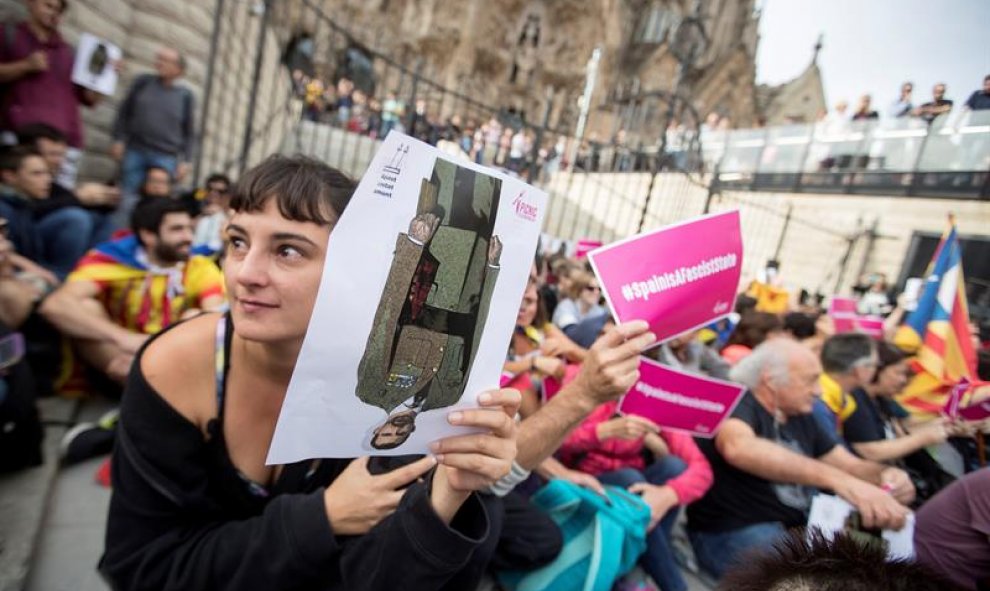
x=610, y=369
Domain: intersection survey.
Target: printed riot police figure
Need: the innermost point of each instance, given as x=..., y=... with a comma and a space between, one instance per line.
x=435, y=302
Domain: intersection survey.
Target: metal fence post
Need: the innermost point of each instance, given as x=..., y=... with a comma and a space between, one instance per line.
x=411, y=126
x=208, y=89
x=256, y=79
x=783, y=232
x=534, y=156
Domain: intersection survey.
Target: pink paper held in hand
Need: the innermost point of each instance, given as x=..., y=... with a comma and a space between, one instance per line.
x=678, y=278
x=680, y=401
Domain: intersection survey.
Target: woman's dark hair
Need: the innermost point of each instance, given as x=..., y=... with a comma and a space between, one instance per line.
x=801, y=325
x=306, y=190
x=887, y=354
x=753, y=329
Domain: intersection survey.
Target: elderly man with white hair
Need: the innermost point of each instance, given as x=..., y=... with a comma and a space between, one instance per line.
x=771, y=455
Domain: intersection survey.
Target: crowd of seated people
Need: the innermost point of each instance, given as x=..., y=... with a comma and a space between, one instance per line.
x=743, y=490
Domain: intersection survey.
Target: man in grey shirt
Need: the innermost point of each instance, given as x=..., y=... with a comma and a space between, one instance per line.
x=154, y=128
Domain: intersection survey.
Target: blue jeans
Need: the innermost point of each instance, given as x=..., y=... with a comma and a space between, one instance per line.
x=717, y=552
x=133, y=169
x=66, y=235
x=658, y=561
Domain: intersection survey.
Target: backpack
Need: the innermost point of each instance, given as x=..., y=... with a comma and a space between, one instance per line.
x=603, y=539
x=20, y=427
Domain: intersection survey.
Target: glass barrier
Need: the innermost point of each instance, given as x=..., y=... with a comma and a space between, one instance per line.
x=958, y=142
x=713, y=142
x=786, y=148
x=894, y=145
x=838, y=146
x=743, y=151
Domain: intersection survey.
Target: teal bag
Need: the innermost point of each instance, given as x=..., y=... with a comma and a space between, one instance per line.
x=602, y=539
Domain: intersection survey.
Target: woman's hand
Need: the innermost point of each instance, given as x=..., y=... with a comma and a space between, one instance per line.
x=357, y=500
x=660, y=499
x=582, y=479
x=476, y=461
x=628, y=427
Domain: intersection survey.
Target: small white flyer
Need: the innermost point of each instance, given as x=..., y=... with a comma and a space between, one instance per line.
x=422, y=282
x=94, y=67
x=833, y=514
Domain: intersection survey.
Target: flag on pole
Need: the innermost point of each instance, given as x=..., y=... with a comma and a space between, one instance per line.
x=938, y=332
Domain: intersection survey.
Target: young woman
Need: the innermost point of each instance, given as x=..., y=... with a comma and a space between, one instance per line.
x=612, y=449
x=538, y=349
x=195, y=507
x=582, y=301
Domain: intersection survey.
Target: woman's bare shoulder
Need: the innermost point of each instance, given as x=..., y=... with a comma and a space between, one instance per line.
x=179, y=366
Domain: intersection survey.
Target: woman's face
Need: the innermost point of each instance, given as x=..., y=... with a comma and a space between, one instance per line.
x=893, y=378
x=527, y=309
x=591, y=293
x=273, y=270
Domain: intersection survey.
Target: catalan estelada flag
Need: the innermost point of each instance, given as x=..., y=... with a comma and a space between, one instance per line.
x=139, y=296
x=938, y=333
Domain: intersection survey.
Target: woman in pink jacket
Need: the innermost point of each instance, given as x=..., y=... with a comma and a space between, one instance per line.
x=616, y=448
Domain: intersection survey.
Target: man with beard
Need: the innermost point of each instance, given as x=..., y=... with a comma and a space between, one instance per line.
x=127, y=289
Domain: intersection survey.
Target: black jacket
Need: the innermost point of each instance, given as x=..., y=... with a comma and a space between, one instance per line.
x=181, y=518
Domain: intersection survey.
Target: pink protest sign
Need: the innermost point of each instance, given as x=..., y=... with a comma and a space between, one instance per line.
x=845, y=318
x=584, y=246
x=678, y=278
x=680, y=401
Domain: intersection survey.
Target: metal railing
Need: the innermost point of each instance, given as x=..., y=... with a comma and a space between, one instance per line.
x=950, y=157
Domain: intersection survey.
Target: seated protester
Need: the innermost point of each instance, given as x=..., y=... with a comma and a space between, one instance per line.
x=808, y=329
x=71, y=220
x=611, y=448
x=814, y=562
x=208, y=238
x=217, y=184
x=753, y=329
x=157, y=183
x=952, y=532
x=580, y=301
x=849, y=361
x=537, y=350
x=876, y=429
x=206, y=512
x=25, y=181
x=769, y=456
x=561, y=269
x=127, y=289
x=23, y=283
x=686, y=353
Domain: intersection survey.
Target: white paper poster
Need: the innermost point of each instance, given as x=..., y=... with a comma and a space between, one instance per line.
x=422, y=282
x=833, y=514
x=94, y=66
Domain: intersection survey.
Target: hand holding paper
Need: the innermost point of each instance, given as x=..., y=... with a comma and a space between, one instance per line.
x=358, y=500
x=476, y=461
